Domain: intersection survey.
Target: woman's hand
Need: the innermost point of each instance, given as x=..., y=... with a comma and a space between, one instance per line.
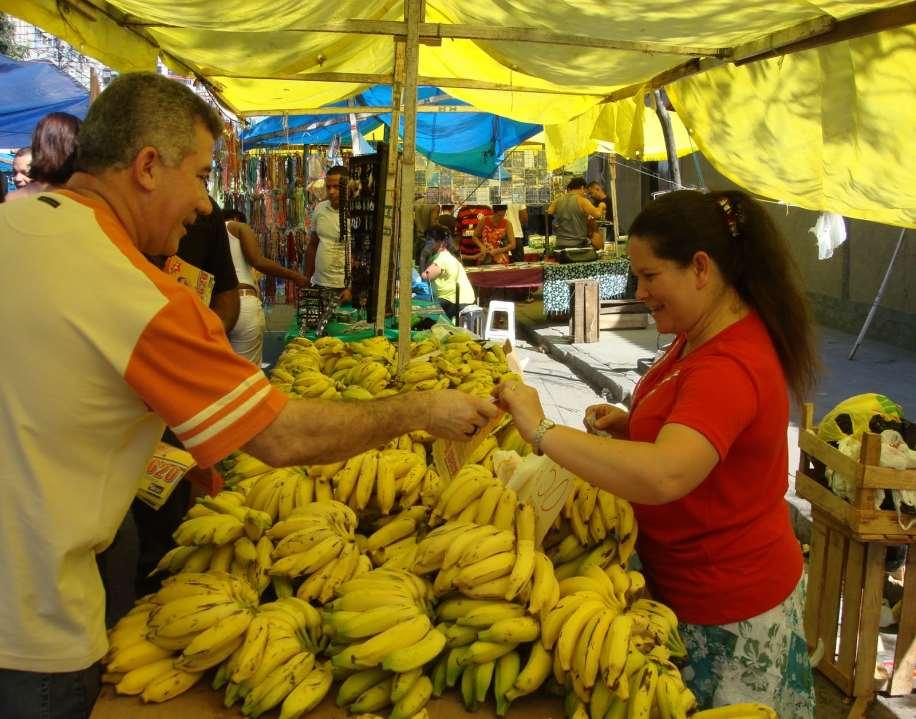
x=523, y=403
x=608, y=419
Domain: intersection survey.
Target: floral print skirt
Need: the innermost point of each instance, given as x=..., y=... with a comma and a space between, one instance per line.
x=763, y=659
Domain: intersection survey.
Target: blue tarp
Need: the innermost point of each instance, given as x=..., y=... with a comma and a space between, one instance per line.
x=472, y=142
x=32, y=90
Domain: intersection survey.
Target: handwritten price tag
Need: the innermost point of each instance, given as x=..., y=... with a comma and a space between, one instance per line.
x=545, y=485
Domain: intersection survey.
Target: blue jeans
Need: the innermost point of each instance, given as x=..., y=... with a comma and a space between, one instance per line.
x=35, y=695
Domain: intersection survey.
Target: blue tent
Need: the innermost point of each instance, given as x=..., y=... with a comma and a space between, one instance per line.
x=32, y=90
x=472, y=142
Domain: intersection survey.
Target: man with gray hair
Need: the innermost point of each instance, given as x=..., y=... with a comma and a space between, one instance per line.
x=107, y=351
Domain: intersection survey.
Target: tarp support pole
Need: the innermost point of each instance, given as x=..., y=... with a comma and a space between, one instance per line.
x=613, y=166
x=412, y=12
x=674, y=167
x=879, y=296
x=391, y=191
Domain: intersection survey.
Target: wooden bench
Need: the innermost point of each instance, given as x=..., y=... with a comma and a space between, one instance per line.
x=846, y=571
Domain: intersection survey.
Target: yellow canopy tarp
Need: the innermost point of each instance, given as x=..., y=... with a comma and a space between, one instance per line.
x=262, y=58
x=832, y=128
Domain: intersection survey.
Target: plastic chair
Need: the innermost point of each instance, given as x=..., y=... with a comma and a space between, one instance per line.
x=506, y=308
x=471, y=319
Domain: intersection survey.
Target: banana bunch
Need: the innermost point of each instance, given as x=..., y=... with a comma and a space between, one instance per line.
x=483, y=638
x=649, y=685
x=475, y=495
x=421, y=374
x=382, y=619
x=510, y=440
x=278, y=492
x=377, y=348
x=240, y=466
x=316, y=541
x=205, y=616
x=372, y=690
x=394, y=543
x=595, y=527
x=382, y=479
x=312, y=384
x=661, y=622
x=137, y=667
x=276, y=661
x=366, y=373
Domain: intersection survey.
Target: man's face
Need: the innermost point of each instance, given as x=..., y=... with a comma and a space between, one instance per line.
x=597, y=192
x=332, y=186
x=21, y=167
x=179, y=196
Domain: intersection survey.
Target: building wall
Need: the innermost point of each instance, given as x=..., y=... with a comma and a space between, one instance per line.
x=842, y=288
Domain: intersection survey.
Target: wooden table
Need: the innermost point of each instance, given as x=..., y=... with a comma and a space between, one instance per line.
x=202, y=702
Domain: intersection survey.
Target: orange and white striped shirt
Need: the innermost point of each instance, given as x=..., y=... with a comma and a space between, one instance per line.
x=100, y=347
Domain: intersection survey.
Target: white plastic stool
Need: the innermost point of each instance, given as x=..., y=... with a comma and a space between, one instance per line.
x=508, y=309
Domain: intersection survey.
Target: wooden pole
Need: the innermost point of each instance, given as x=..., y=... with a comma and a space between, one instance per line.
x=614, y=205
x=391, y=190
x=674, y=167
x=413, y=10
x=94, y=85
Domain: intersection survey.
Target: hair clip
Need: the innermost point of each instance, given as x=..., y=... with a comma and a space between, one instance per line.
x=731, y=215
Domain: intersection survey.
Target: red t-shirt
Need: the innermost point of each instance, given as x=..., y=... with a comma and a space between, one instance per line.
x=726, y=551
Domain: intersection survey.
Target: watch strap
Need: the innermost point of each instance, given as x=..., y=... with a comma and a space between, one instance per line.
x=544, y=425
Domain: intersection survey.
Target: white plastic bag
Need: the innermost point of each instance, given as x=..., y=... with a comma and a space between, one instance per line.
x=830, y=230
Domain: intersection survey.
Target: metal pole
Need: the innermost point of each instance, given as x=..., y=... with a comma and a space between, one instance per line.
x=881, y=289
x=412, y=11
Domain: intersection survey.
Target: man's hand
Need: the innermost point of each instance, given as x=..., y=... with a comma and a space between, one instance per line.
x=523, y=403
x=346, y=295
x=607, y=419
x=455, y=415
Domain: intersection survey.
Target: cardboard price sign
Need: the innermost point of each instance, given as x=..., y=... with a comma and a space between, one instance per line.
x=449, y=457
x=163, y=473
x=544, y=484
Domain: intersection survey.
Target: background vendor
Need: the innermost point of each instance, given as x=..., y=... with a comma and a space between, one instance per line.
x=495, y=238
x=571, y=212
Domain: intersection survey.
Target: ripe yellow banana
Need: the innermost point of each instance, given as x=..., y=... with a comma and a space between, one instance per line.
x=505, y=674
x=373, y=699
x=357, y=683
x=486, y=570
x=416, y=655
x=308, y=693
x=170, y=685
x=136, y=680
x=533, y=675
x=372, y=651
x=595, y=646
x=512, y=631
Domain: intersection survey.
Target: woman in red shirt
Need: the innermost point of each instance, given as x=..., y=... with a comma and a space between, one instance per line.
x=703, y=453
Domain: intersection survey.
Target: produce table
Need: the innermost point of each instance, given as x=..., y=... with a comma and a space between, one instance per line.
x=515, y=274
x=202, y=702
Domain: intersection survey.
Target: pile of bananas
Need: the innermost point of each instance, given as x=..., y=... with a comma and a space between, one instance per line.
x=377, y=574
x=381, y=638
x=332, y=369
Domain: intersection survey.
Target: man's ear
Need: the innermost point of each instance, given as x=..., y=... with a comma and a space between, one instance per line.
x=702, y=268
x=145, y=168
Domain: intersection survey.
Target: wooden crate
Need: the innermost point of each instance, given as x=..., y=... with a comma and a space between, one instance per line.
x=846, y=574
x=864, y=522
x=584, y=310
x=843, y=609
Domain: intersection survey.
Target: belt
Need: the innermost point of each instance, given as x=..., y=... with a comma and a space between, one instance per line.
x=244, y=292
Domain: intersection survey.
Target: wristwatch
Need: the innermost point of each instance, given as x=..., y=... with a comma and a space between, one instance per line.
x=545, y=424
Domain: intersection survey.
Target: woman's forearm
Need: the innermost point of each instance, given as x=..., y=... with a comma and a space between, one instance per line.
x=635, y=471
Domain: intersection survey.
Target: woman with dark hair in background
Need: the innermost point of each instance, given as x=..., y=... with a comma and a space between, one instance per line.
x=54, y=143
x=703, y=453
